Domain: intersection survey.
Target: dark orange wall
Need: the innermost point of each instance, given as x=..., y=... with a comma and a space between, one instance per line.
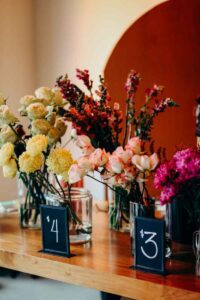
x=164, y=46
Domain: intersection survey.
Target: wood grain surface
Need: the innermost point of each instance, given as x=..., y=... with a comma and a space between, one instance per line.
x=103, y=264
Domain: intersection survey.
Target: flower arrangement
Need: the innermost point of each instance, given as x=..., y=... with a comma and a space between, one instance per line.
x=35, y=155
x=126, y=167
x=179, y=179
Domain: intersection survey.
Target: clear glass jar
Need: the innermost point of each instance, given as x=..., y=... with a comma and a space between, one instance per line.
x=80, y=213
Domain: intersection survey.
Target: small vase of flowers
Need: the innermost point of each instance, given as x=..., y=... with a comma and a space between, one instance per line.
x=179, y=181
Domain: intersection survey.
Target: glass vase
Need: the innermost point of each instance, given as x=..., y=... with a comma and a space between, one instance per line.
x=30, y=198
x=79, y=203
x=119, y=210
x=196, y=248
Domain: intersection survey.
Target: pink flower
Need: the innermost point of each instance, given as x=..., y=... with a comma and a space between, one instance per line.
x=134, y=145
x=124, y=155
x=99, y=157
x=86, y=164
x=115, y=164
x=75, y=174
x=84, y=143
x=167, y=194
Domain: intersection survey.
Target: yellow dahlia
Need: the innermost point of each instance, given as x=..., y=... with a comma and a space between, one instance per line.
x=6, y=153
x=29, y=163
x=40, y=126
x=7, y=135
x=59, y=161
x=37, y=144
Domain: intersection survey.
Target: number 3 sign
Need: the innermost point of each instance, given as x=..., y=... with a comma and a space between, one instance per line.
x=150, y=245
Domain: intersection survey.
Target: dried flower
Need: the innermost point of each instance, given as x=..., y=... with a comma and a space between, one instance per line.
x=53, y=135
x=61, y=126
x=29, y=164
x=2, y=100
x=37, y=144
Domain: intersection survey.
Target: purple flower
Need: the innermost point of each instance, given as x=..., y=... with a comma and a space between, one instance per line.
x=132, y=83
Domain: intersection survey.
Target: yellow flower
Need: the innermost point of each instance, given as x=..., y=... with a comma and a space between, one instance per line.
x=37, y=144
x=53, y=135
x=51, y=118
x=7, y=135
x=6, y=153
x=2, y=100
x=40, y=126
x=29, y=163
x=61, y=126
x=6, y=116
x=44, y=92
x=27, y=100
x=10, y=169
x=59, y=161
x=57, y=97
x=36, y=111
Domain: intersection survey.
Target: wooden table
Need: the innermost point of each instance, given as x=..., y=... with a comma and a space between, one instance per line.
x=103, y=264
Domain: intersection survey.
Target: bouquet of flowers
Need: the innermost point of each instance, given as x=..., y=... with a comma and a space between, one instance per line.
x=179, y=179
x=35, y=155
x=123, y=168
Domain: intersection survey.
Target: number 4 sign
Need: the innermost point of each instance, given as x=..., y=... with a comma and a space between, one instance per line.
x=149, y=245
x=55, y=233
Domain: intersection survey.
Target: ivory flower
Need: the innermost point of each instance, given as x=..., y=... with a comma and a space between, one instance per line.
x=61, y=126
x=57, y=97
x=6, y=116
x=134, y=144
x=59, y=161
x=40, y=126
x=99, y=157
x=7, y=135
x=10, y=169
x=6, y=153
x=36, y=111
x=29, y=163
x=27, y=100
x=37, y=144
x=75, y=174
x=145, y=163
x=44, y=93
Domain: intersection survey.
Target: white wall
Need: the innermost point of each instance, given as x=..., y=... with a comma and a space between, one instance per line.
x=42, y=39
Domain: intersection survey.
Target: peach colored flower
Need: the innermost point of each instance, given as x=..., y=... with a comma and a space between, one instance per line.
x=134, y=144
x=115, y=164
x=75, y=174
x=99, y=157
x=86, y=164
x=124, y=155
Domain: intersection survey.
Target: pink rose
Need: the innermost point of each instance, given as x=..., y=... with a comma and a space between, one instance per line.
x=134, y=145
x=124, y=155
x=83, y=141
x=115, y=164
x=99, y=157
x=75, y=174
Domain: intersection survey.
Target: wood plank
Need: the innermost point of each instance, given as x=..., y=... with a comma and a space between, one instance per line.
x=103, y=264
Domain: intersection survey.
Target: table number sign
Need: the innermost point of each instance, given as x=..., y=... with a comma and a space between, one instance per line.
x=149, y=245
x=55, y=230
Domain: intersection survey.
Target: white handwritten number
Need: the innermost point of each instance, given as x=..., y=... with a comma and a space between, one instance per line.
x=54, y=228
x=149, y=240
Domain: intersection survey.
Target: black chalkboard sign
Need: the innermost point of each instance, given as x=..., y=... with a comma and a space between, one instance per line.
x=149, y=245
x=55, y=230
